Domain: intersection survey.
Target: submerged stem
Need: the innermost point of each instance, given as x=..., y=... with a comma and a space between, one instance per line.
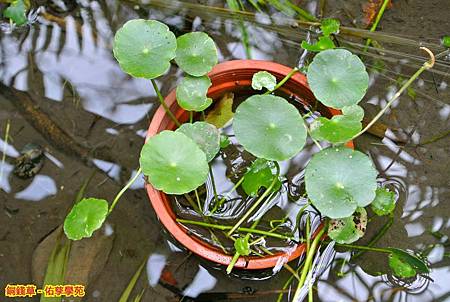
x=427, y=65
x=308, y=261
x=365, y=248
x=222, y=200
x=163, y=103
x=256, y=204
x=240, y=229
x=116, y=199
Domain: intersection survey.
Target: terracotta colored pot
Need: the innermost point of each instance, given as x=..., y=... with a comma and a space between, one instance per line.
x=231, y=76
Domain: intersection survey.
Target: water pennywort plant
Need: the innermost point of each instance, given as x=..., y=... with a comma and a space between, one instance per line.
x=339, y=181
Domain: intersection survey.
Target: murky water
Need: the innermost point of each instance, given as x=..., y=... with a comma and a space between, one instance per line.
x=63, y=61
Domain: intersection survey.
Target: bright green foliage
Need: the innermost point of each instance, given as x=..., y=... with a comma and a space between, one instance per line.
x=406, y=265
x=222, y=112
x=17, y=11
x=260, y=174
x=205, y=135
x=224, y=141
x=269, y=127
x=330, y=26
x=196, y=53
x=322, y=44
x=191, y=93
x=350, y=229
x=338, y=180
x=338, y=78
x=341, y=128
x=242, y=246
x=401, y=268
x=144, y=48
x=85, y=217
x=384, y=202
x=446, y=41
x=264, y=79
x=173, y=163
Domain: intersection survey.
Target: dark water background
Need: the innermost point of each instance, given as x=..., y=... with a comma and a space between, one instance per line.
x=63, y=61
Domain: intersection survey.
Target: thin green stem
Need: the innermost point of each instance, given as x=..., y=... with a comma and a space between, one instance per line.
x=427, y=65
x=308, y=261
x=309, y=133
x=233, y=262
x=308, y=247
x=163, y=103
x=191, y=117
x=192, y=203
x=377, y=237
x=116, y=199
x=364, y=248
x=240, y=229
x=377, y=20
x=222, y=200
x=257, y=203
x=198, y=200
x=284, y=80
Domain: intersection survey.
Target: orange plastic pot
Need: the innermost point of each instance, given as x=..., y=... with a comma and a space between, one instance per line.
x=231, y=76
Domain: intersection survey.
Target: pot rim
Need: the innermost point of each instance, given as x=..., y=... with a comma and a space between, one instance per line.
x=223, y=80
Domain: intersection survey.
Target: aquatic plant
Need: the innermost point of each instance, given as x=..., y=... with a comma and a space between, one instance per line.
x=340, y=182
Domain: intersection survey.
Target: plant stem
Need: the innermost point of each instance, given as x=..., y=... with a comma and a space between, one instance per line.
x=308, y=246
x=116, y=199
x=365, y=248
x=221, y=201
x=256, y=204
x=198, y=200
x=377, y=237
x=240, y=229
x=192, y=203
x=163, y=103
x=377, y=20
x=233, y=262
x=191, y=117
x=435, y=138
x=284, y=80
x=308, y=261
x=427, y=65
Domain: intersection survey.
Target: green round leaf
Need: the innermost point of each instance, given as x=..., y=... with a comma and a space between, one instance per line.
x=330, y=26
x=322, y=44
x=191, y=93
x=446, y=41
x=350, y=229
x=403, y=263
x=384, y=202
x=354, y=111
x=339, y=129
x=173, y=163
x=264, y=79
x=338, y=78
x=338, y=180
x=242, y=246
x=261, y=174
x=85, y=217
x=196, y=53
x=205, y=135
x=269, y=127
x=144, y=48
x=400, y=267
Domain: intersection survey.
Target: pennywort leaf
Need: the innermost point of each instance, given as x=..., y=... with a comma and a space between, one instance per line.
x=17, y=11
x=196, y=53
x=260, y=174
x=330, y=26
x=264, y=79
x=85, y=217
x=144, y=48
x=191, y=93
x=322, y=44
x=173, y=162
x=338, y=78
x=350, y=229
x=405, y=264
x=205, y=135
x=269, y=127
x=384, y=202
x=242, y=246
x=338, y=180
